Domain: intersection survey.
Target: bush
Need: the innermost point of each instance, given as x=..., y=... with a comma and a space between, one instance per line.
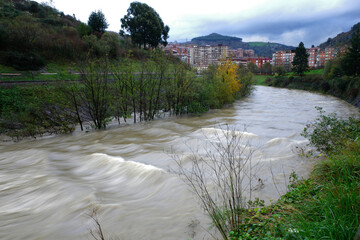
x=341, y=84
x=324, y=86
x=23, y=61
x=328, y=133
x=268, y=81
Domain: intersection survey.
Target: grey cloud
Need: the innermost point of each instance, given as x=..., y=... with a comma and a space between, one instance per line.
x=316, y=27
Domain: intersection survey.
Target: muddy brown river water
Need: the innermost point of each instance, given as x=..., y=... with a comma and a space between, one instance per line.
x=49, y=186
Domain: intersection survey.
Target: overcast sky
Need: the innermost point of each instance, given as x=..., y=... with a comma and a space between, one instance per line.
x=282, y=21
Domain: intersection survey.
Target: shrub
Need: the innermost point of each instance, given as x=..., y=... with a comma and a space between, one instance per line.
x=23, y=61
x=324, y=86
x=341, y=84
x=268, y=81
x=328, y=133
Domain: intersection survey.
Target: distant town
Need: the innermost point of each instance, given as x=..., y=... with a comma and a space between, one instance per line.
x=201, y=56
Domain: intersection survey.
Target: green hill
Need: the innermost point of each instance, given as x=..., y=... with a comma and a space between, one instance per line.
x=341, y=39
x=215, y=38
x=33, y=34
x=260, y=48
x=267, y=48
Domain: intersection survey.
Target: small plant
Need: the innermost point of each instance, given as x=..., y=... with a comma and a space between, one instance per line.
x=328, y=133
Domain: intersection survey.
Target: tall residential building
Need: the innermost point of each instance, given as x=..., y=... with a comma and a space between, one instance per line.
x=207, y=55
x=283, y=58
x=317, y=57
x=313, y=56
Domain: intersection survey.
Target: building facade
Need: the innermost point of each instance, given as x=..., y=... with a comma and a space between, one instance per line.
x=317, y=57
x=207, y=55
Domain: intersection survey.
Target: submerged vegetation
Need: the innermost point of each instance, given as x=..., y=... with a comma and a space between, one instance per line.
x=122, y=90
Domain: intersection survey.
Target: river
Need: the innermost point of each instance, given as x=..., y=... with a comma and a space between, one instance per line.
x=49, y=186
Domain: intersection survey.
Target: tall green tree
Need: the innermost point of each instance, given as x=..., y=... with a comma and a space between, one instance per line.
x=97, y=22
x=351, y=61
x=300, y=62
x=144, y=25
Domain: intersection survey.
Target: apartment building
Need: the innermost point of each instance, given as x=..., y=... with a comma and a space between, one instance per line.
x=180, y=51
x=317, y=57
x=239, y=53
x=207, y=55
x=283, y=58
x=258, y=61
x=313, y=56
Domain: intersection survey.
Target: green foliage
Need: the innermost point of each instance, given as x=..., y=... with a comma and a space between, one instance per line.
x=252, y=67
x=333, y=69
x=300, y=62
x=267, y=68
x=350, y=62
x=33, y=111
x=328, y=133
x=21, y=61
x=97, y=22
x=144, y=25
x=84, y=30
x=329, y=207
x=279, y=70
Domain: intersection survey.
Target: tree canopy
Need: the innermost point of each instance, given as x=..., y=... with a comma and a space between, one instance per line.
x=97, y=21
x=300, y=62
x=351, y=60
x=144, y=25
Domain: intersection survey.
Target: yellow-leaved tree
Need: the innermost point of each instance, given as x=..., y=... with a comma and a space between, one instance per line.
x=228, y=81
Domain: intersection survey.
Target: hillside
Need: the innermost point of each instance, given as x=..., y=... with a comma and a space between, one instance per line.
x=341, y=39
x=33, y=34
x=215, y=38
x=268, y=48
x=260, y=48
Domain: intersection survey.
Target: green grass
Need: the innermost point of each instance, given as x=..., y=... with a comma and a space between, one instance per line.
x=315, y=71
x=260, y=79
x=258, y=44
x=311, y=72
x=63, y=72
x=332, y=211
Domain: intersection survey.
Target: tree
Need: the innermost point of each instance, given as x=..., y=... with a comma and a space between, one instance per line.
x=252, y=67
x=94, y=92
x=300, y=62
x=351, y=60
x=84, y=30
x=144, y=25
x=222, y=177
x=97, y=22
x=267, y=68
x=279, y=69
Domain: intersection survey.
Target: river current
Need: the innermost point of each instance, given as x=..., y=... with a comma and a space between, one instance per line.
x=49, y=186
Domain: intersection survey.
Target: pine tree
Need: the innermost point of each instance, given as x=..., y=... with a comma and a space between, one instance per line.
x=300, y=62
x=97, y=22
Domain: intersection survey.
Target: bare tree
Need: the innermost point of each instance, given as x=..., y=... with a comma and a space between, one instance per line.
x=98, y=232
x=221, y=177
x=95, y=93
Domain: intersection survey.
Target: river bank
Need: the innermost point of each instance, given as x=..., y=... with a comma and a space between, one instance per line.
x=324, y=206
x=343, y=87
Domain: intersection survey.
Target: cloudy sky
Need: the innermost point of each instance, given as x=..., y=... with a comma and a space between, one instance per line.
x=283, y=21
